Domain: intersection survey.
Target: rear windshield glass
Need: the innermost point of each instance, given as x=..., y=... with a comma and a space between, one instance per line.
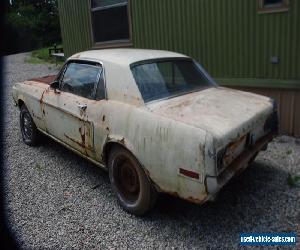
x=164, y=79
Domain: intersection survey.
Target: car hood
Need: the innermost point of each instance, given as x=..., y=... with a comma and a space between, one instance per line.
x=220, y=111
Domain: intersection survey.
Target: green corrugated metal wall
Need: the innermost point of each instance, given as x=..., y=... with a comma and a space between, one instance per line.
x=75, y=25
x=228, y=37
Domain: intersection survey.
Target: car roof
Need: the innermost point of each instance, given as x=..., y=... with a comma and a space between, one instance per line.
x=125, y=57
x=119, y=81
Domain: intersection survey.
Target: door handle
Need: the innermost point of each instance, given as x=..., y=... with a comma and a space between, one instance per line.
x=82, y=107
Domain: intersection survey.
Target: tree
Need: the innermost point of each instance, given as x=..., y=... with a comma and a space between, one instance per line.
x=32, y=24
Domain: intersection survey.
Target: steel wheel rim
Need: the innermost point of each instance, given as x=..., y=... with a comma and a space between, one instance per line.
x=127, y=179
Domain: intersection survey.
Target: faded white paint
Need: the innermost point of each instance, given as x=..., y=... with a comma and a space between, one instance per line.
x=182, y=132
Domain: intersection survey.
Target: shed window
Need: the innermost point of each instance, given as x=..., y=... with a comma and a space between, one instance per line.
x=269, y=6
x=110, y=21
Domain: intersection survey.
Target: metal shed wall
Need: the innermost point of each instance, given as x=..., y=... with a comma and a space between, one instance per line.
x=228, y=37
x=288, y=107
x=74, y=16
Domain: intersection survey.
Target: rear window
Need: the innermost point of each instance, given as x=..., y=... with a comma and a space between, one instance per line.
x=168, y=78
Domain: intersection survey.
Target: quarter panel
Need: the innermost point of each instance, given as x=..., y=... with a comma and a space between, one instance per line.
x=162, y=146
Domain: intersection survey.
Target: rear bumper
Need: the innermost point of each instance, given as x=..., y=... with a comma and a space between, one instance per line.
x=215, y=183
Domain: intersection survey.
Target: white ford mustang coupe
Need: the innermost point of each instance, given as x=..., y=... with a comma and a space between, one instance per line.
x=154, y=119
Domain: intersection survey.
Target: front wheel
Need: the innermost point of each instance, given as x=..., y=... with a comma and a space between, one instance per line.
x=129, y=182
x=30, y=133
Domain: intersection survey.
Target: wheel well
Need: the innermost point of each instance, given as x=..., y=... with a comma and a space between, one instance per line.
x=20, y=103
x=107, y=149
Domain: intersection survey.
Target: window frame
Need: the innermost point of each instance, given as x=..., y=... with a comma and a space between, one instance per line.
x=113, y=43
x=261, y=8
x=61, y=74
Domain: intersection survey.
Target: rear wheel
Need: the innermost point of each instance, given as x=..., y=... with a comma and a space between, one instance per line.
x=129, y=182
x=30, y=133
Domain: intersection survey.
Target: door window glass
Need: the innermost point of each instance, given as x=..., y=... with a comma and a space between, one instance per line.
x=81, y=79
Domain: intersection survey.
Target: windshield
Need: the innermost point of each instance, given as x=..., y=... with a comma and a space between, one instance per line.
x=160, y=79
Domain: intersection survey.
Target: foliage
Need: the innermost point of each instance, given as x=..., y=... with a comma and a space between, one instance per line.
x=294, y=180
x=32, y=24
x=42, y=56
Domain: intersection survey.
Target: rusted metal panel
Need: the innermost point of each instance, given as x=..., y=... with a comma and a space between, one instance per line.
x=238, y=165
x=46, y=79
x=65, y=121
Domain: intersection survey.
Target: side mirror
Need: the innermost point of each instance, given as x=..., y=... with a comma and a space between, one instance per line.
x=54, y=85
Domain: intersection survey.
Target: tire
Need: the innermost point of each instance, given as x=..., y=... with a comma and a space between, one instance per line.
x=30, y=133
x=252, y=159
x=133, y=189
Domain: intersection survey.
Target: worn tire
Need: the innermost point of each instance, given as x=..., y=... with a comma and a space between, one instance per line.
x=29, y=131
x=132, y=187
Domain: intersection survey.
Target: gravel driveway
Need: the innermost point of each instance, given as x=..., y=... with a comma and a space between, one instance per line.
x=56, y=200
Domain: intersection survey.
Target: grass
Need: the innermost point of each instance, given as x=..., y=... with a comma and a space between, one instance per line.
x=41, y=56
x=294, y=180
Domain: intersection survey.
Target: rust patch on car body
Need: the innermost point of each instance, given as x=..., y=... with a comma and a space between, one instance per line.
x=174, y=194
x=123, y=141
x=240, y=163
x=193, y=200
x=190, y=198
x=35, y=116
x=45, y=79
x=231, y=150
x=82, y=134
x=42, y=97
x=81, y=144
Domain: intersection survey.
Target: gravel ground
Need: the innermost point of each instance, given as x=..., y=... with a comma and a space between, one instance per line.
x=56, y=200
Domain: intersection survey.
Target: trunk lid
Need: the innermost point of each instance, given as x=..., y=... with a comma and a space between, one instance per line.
x=235, y=119
x=221, y=111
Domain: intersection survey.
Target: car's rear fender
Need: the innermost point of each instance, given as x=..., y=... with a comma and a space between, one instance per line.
x=172, y=153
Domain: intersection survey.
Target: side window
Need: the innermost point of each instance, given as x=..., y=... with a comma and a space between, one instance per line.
x=81, y=79
x=100, y=91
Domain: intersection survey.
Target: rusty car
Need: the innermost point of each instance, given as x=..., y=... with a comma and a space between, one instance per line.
x=155, y=120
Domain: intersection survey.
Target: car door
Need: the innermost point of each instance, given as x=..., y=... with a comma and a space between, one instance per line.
x=71, y=111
